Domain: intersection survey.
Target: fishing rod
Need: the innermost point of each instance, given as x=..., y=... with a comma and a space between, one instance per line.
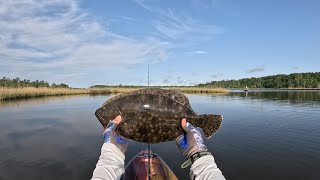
x=149, y=148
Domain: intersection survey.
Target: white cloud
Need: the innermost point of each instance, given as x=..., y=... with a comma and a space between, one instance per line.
x=204, y=3
x=182, y=31
x=178, y=27
x=114, y=54
x=59, y=35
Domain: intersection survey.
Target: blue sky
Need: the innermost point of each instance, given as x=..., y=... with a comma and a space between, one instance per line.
x=185, y=42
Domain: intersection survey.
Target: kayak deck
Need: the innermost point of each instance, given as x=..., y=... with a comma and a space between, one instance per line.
x=137, y=168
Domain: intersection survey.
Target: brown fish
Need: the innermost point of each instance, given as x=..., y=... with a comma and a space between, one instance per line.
x=153, y=115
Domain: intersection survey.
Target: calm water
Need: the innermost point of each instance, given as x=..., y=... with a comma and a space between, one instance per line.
x=265, y=135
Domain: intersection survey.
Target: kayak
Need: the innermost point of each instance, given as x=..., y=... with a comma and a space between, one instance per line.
x=138, y=168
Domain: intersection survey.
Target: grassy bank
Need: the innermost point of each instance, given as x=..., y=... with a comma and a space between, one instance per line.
x=18, y=93
x=109, y=90
x=197, y=90
x=190, y=90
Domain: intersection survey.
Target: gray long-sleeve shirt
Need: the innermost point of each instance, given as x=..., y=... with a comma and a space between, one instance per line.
x=111, y=166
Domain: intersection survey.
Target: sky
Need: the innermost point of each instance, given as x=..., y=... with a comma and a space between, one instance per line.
x=184, y=42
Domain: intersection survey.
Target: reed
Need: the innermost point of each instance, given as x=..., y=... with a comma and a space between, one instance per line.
x=190, y=90
x=110, y=90
x=28, y=92
x=199, y=90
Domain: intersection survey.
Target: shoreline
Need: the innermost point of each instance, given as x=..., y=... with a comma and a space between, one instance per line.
x=285, y=89
x=32, y=92
x=7, y=94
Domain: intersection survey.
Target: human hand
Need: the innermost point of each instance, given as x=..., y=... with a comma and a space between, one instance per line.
x=191, y=142
x=111, y=136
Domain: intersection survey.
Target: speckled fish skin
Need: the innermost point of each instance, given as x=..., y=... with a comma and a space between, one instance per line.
x=154, y=115
x=169, y=93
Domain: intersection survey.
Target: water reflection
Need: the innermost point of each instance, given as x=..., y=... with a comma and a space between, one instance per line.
x=35, y=101
x=290, y=96
x=265, y=135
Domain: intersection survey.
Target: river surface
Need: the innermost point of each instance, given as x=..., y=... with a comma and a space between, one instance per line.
x=265, y=135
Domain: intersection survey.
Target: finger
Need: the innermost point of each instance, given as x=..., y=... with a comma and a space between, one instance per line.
x=182, y=141
x=178, y=139
x=120, y=139
x=121, y=136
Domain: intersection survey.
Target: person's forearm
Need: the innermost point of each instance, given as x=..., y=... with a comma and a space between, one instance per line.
x=110, y=164
x=205, y=168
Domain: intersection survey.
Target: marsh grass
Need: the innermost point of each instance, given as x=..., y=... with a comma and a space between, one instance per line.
x=198, y=90
x=29, y=92
x=110, y=90
x=19, y=93
x=190, y=90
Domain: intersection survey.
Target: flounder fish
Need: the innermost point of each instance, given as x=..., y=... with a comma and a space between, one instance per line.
x=153, y=115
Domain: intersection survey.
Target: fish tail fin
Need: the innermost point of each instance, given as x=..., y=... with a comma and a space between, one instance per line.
x=100, y=118
x=210, y=123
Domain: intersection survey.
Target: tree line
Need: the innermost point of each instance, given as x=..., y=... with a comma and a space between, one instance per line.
x=294, y=80
x=18, y=83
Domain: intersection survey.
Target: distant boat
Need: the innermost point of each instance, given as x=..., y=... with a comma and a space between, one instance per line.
x=246, y=89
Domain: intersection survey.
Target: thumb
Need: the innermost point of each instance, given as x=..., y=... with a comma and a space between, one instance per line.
x=112, y=125
x=117, y=119
x=184, y=125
